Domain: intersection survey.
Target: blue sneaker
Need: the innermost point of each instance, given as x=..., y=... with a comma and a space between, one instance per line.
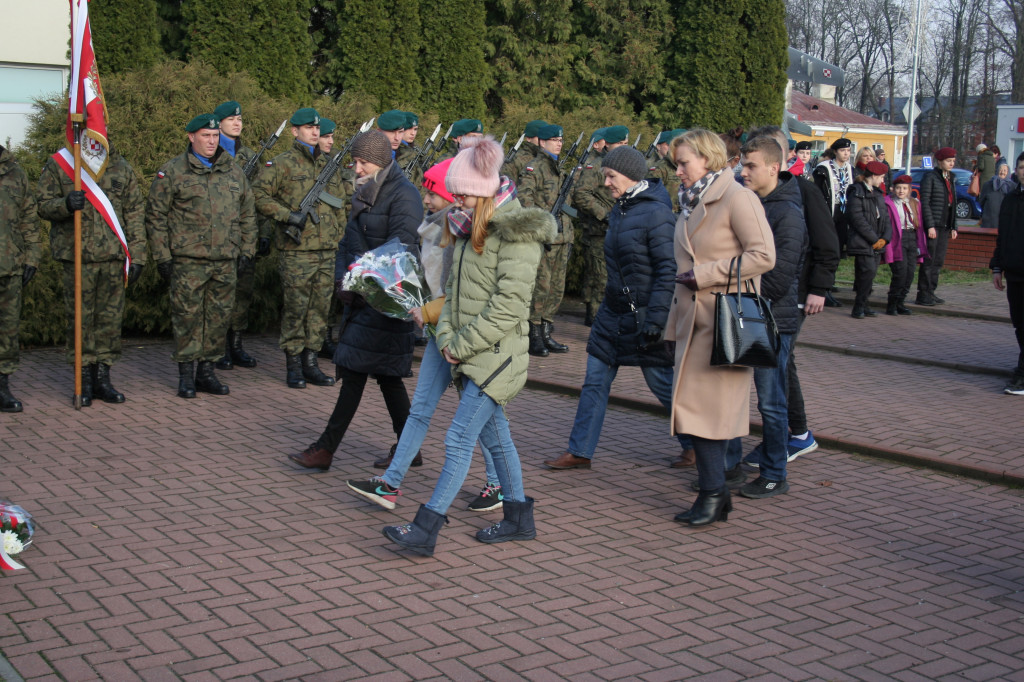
x=799, y=447
x=753, y=459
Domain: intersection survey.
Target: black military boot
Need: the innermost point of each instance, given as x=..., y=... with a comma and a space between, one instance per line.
x=207, y=381
x=311, y=370
x=88, y=372
x=537, y=346
x=294, y=366
x=102, y=387
x=890, y=308
x=550, y=343
x=328, y=347
x=225, y=362
x=588, y=318
x=901, y=307
x=186, y=380
x=237, y=353
x=8, y=403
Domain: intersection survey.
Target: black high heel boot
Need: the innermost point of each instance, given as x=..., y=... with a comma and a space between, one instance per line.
x=710, y=507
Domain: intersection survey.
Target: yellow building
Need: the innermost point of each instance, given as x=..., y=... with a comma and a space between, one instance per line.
x=822, y=123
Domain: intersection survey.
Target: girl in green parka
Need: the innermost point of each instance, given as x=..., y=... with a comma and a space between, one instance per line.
x=482, y=333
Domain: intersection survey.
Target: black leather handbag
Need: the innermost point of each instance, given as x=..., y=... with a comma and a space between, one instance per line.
x=745, y=330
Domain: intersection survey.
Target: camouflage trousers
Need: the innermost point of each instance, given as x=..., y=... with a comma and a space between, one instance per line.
x=10, y=320
x=202, y=296
x=243, y=298
x=307, y=281
x=102, y=311
x=595, y=271
x=550, y=284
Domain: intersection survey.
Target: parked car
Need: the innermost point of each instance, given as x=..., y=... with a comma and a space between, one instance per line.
x=966, y=205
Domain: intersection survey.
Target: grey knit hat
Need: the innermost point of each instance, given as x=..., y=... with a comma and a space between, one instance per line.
x=372, y=146
x=627, y=161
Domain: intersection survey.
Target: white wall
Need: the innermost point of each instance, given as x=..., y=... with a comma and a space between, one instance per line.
x=1010, y=141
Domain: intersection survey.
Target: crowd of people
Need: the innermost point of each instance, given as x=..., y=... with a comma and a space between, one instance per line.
x=661, y=237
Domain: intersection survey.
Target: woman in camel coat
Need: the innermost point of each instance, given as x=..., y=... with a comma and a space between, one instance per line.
x=719, y=220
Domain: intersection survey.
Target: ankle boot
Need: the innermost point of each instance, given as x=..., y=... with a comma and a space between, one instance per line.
x=831, y=302
x=102, y=387
x=902, y=309
x=537, y=346
x=890, y=308
x=311, y=370
x=314, y=457
x=237, y=353
x=385, y=462
x=549, y=343
x=293, y=363
x=225, y=362
x=710, y=507
x=421, y=535
x=88, y=372
x=517, y=524
x=857, y=313
x=207, y=381
x=588, y=318
x=8, y=403
x=328, y=347
x=186, y=380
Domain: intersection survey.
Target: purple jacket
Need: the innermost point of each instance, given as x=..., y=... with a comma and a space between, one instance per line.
x=894, y=249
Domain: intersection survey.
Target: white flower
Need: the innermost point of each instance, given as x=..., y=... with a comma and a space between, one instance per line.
x=12, y=545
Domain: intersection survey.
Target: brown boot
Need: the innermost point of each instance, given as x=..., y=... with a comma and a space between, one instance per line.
x=385, y=462
x=314, y=457
x=568, y=461
x=687, y=459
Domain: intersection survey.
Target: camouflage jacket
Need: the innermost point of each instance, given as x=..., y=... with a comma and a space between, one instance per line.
x=527, y=150
x=199, y=212
x=538, y=186
x=592, y=199
x=99, y=243
x=282, y=184
x=665, y=171
x=448, y=152
x=406, y=154
x=19, y=228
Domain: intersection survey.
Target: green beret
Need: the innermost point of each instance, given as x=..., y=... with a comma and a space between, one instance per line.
x=615, y=134
x=327, y=126
x=598, y=134
x=664, y=137
x=676, y=133
x=392, y=120
x=533, y=126
x=203, y=121
x=792, y=144
x=305, y=116
x=411, y=120
x=549, y=131
x=231, y=108
x=467, y=125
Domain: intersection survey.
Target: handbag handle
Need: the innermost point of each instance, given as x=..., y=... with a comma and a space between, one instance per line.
x=738, y=260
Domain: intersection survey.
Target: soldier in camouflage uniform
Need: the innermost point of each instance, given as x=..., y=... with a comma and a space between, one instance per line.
x=19, y=257
x=392, y=123
x=103, y=262
x=326, y=144
x=538, y=186
x=664, y=169
x=201, y=225
x=307, y=265
x=464, y=127
x=407, y=150
x=230, y=115
x=527, y=150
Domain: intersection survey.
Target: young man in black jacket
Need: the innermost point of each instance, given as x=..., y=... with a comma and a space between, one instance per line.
x=938, y=214
x=870, y=231
x=1008, y=268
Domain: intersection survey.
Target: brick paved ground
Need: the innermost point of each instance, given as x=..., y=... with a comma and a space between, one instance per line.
x=174, y=543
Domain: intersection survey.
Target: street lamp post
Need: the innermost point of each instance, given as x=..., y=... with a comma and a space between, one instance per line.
x=911, y=105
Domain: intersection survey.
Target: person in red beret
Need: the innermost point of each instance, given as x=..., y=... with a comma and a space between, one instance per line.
x=938, y=215
x=869, y=231
x=908, y=246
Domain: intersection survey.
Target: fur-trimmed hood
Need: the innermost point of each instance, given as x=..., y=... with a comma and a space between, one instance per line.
x=514, y=223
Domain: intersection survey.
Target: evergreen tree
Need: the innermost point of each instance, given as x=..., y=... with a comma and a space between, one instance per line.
x=125, y=34
x=452, y=68
x=727, y=63
x=268, y=40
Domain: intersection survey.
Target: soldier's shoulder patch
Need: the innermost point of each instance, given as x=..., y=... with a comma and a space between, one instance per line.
x=270, y=163
x=653, y=168
x=528, y=168
x=589, y=166
x=160, y=174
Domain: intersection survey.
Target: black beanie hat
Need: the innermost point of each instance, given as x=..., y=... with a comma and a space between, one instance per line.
x=627, y=161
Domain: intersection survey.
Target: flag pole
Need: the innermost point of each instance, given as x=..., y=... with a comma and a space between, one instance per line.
x=77, y=120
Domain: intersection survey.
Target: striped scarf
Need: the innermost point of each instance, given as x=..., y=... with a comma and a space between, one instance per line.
x=460, y=220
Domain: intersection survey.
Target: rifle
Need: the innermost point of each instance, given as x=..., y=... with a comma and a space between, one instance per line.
x=651, y=148
x=418, y=159
x=510, y=157
x=428, y=159
x=563, y=192
x=250, y=166
x=571, y=151
x=318, y=192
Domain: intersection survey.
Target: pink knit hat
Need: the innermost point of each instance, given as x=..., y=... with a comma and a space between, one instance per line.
x=433, y=180
x=474, y=170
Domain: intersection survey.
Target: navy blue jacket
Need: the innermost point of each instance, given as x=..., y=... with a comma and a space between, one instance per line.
x=639, y=254
x=784, y=210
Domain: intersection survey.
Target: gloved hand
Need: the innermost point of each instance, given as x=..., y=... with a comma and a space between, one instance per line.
x=244, y=263
x=263, y=246
x=134, y=272
x=27, y=274
x=651, y=334
x=165, y=269
x=345, y=297
x=688, y=280
x=297, y=219
x=75, y=201
x=879, y=245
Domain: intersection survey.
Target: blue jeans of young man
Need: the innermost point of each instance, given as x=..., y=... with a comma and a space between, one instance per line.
x=477, y=418
x=772, y=385
x=435, y=376
x=593, y=404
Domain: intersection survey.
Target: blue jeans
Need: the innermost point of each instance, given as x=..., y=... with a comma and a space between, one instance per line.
x=478, y=417
x=435, y=376
x=593, y=404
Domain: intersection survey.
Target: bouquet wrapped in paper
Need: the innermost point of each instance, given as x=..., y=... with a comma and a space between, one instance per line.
x=15, y=534
x=390, y=279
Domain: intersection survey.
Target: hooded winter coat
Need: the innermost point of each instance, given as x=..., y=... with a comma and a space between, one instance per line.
x=484, y=319
x=638, y=253
x=785, y=213
x=868, y=218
